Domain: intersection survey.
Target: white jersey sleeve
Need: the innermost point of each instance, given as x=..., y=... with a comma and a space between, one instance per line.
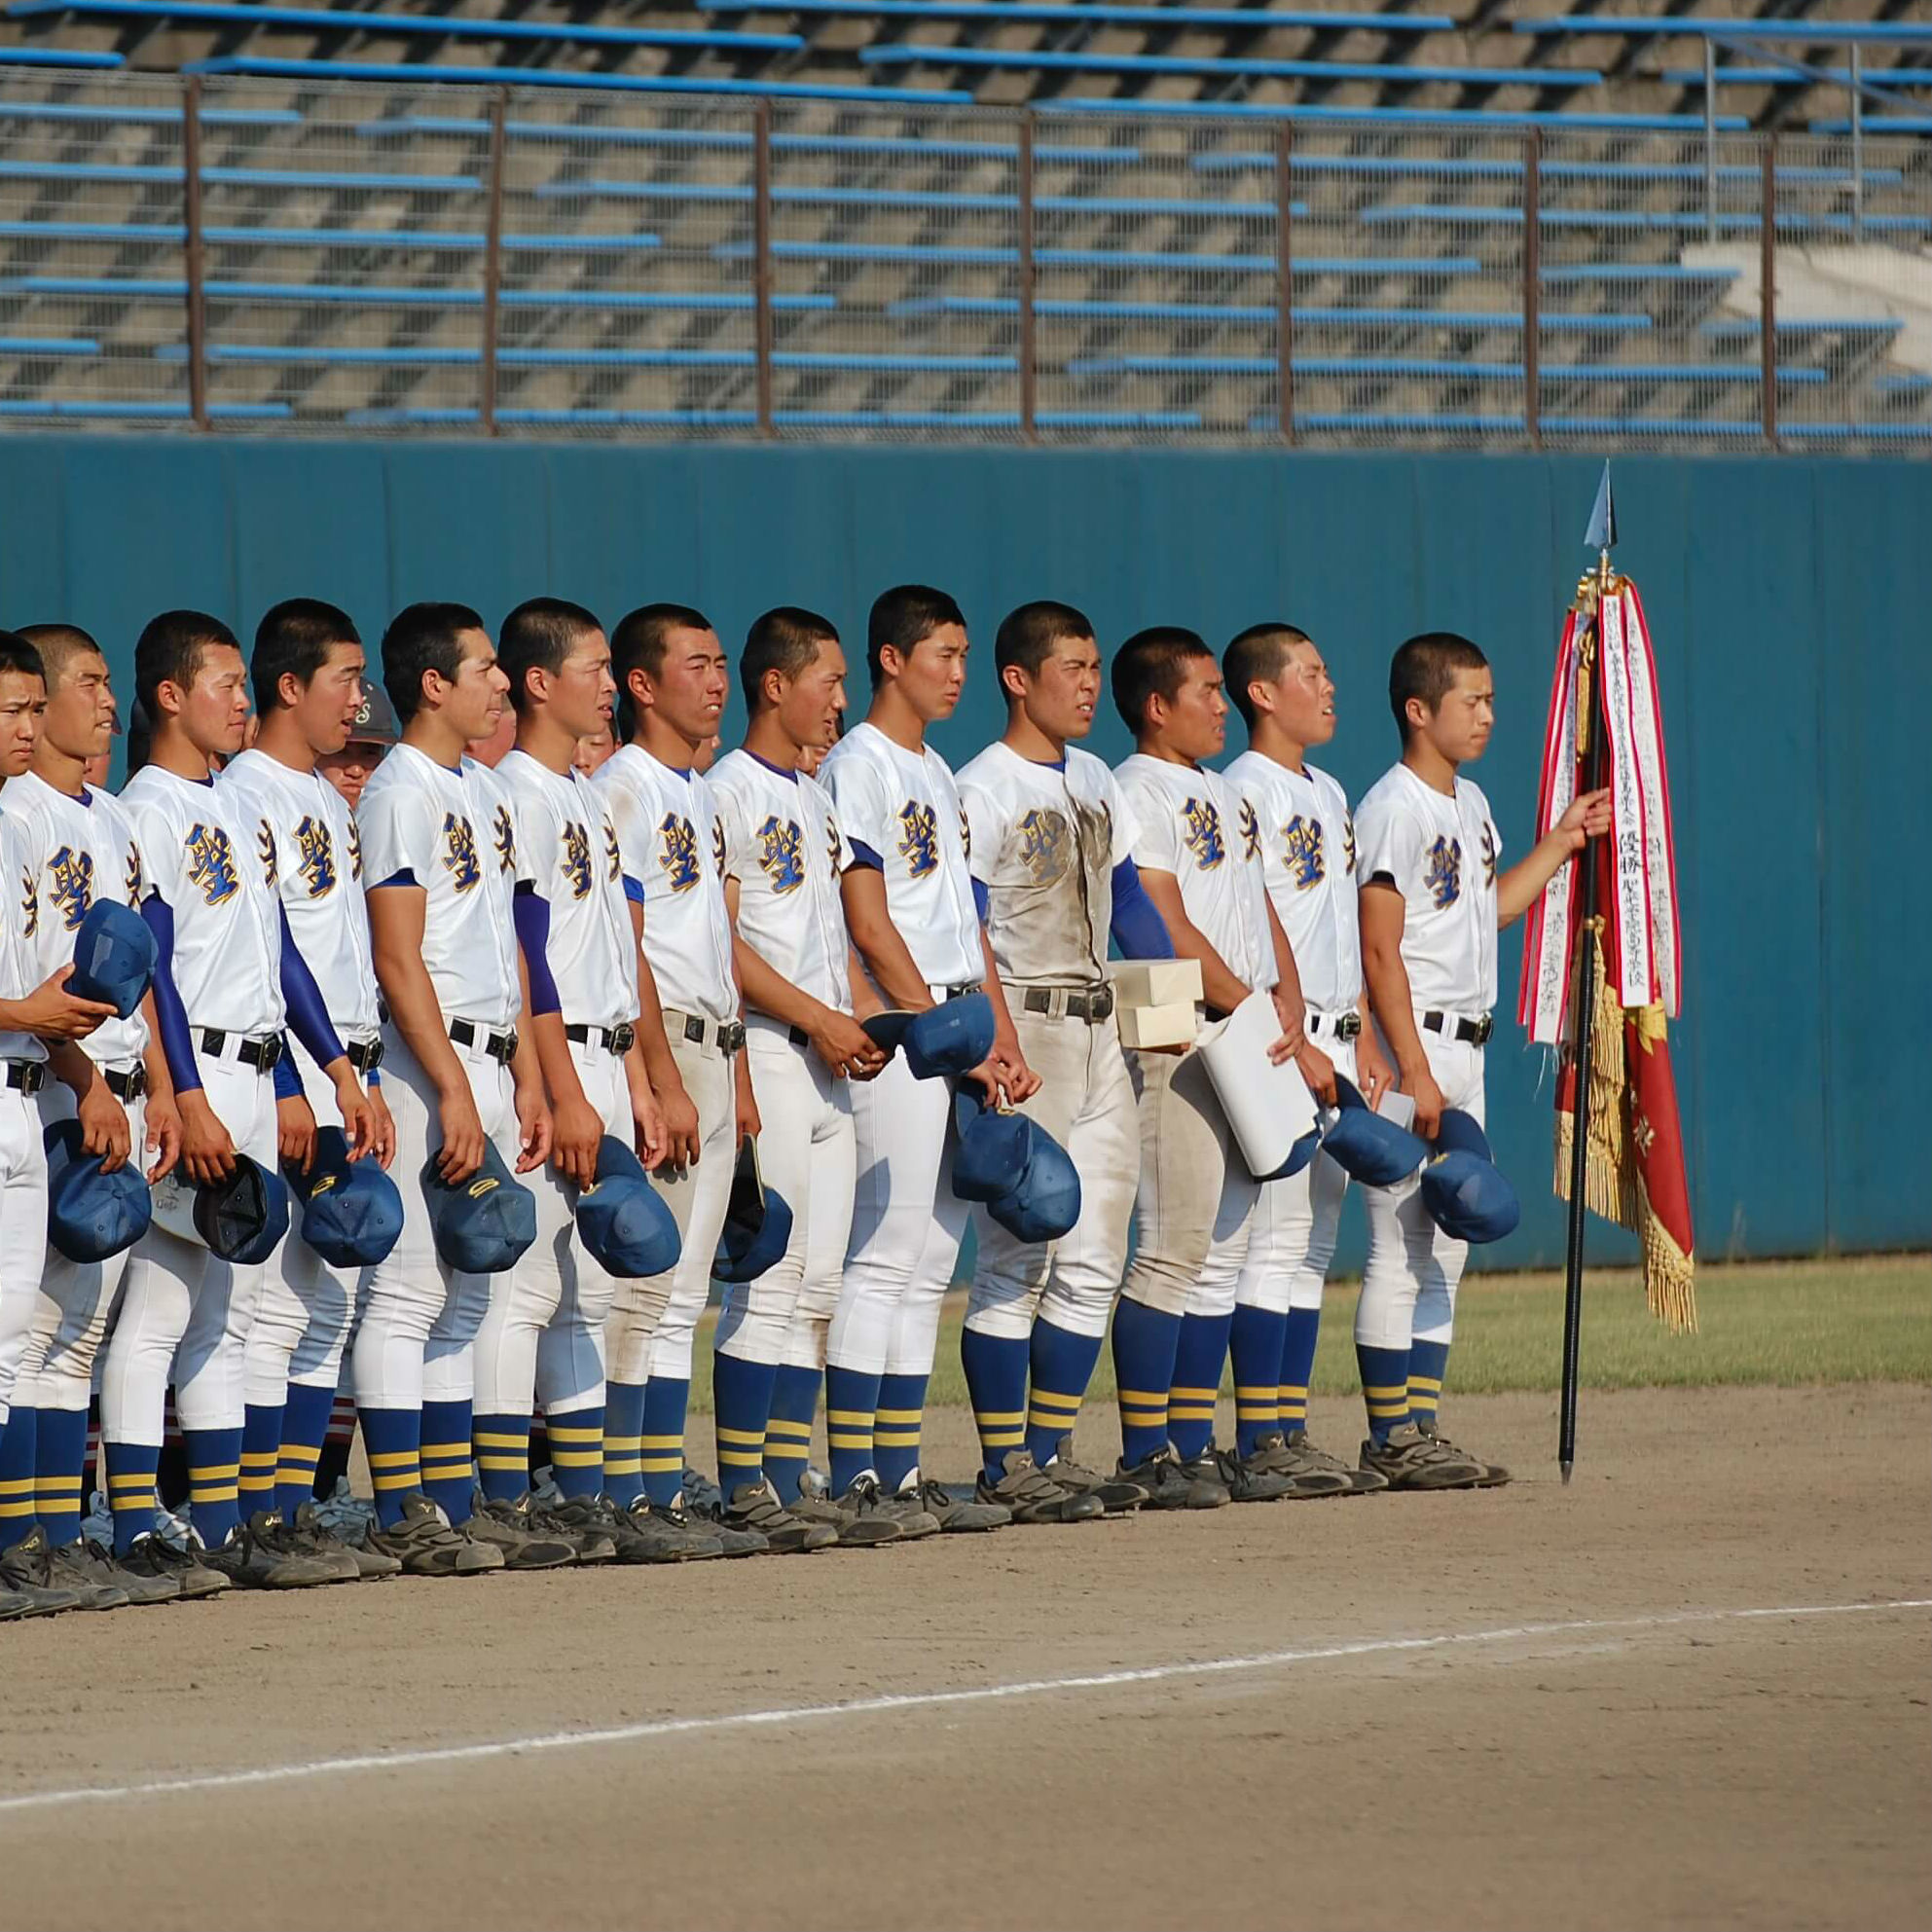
x=17, y=936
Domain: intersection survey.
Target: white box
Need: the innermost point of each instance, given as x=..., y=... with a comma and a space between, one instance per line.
x=1155, y=982
x=1153, y=1028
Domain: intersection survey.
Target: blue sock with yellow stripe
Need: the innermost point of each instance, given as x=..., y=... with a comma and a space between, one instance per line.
x=1145, y=1341
x=851, y=1408
x=623, y=1438
x=741, y=1397
x=19, y=1435
x=895, y=1429
x=1198, y=1357
x=502, y=1455
x=1297, y=1368
x=1062, y=1365
x=130, y=1489
x=1255, y=1343
x=667, y=1398
x=449, y=1475
x=1428, y=1361
x=788, y=1429
x=261, y=1454
x=60, y=1453
x=214, y=1481
x=392, y=1440
x=996, y=1379
x=305, y=1422
x=576, y=1450
x=1384, y=1388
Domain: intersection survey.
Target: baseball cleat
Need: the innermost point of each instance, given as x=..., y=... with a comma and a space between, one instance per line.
x=596, y=1516
x=155, y=1556
x=1408, y=1459
x=1361, y=1482
x=660, y=1535
x=312, y=1535
x=1493, y=1476
x=1307, y=1478
x=27, y=1569
x=593, y=1545
x=1245, y=1482
x=13, y=1603
x=735, y=1539
x=698, y=1494
x=511, y=1528
x=1118, y=1495
x=1170, y=1485
x=860, y=1516
x=262, y=1553
x=1028, y=1495
x=423, y=1543
x=756, y=1506
x=953, y=1514
x=89, y=1558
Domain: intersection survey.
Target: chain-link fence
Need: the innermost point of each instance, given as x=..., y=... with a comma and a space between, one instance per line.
x=304, y=255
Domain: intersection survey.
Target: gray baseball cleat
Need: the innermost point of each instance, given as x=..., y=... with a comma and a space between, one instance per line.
x=262, y=1553
x=756, y=1506
x=860, y=1516
x=666, y=1535
x=153, y=1555
x=425, y=1544
x=1307, y=1477
x=1245, y=1482
x=1408, y=1459
x=1172, y=1485
x=53, y=1579
x=1118, y=1494
x=1493, y=1475
x=311, y=1534
x=1361, y=1482
x=99, y=1564
x=511, y=1528
x=953, y=1514
x=1030, y=1495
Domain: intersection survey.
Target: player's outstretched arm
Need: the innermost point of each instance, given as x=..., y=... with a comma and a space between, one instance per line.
x=1516, y=891
x=1219, y=988
x=1388, y=994
x=888, y=958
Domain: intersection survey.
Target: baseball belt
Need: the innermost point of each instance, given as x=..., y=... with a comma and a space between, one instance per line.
x=1337, y=1026
x=727, y=1035
x=130, y=1086
x=960, y=992
x=500, y=1046
x=364, y=1055
x=261, y=1054
x=1460, y=1026
x=1069, y=1002
x=26, y=1076
x=615, y=1040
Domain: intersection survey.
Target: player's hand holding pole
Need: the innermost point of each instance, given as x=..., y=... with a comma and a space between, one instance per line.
x=206, y=1151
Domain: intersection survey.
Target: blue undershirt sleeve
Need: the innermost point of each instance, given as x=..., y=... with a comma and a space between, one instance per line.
x=308, y=1015
x=634, y=890
x=1138, y=928
x=177, y=1038
x=981, y=898
x=288, y=1081
x=533, y=916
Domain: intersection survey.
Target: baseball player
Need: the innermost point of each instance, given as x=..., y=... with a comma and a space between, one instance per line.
x=235, y=979
x=439, y=857
x=307, y=674
x=672, y=683
x=1433, y=899
x=783, y=857
x=371, y=735
x=1052, y=869
x=911, y=912
x=1198, y=851
x=1286, y=697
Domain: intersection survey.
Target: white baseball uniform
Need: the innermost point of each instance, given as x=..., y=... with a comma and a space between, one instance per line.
x=672, y=849
x=1196, y=1194
x=217, y=872
x=451, y=833
x=1308, y=861
x=546, y=1336
x=904, y=809
x=73, y=851
x=1440, y=852
x=784, y=846
x=23, y=1156
x=1045, y=840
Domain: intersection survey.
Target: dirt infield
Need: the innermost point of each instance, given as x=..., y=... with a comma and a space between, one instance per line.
x=1349, y=1713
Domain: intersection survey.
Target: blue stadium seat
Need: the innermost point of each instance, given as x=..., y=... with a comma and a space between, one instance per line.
x=1408, y=214
x=91, y=172
x=44, y=346
x=916, y=54
x=57, y=57
x=1468, y=169
x=912, y=308
x=141, y=412
x=1044, y=13
x=1394, y=117
x=132, y=116
x=1434, y=368
x=1750, y=327
x=1633, y=26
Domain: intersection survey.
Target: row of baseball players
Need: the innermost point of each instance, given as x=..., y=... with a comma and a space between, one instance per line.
x=522, y=961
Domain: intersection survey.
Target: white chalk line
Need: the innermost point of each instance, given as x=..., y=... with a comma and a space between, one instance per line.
x=1038, y=1687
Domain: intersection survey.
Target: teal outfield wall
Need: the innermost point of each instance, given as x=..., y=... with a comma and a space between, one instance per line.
x=1788, y=599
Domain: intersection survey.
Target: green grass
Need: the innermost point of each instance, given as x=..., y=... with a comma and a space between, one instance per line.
x=1785, y=1324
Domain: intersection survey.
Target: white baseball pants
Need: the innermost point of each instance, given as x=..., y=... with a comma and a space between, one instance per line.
x=23, y=1230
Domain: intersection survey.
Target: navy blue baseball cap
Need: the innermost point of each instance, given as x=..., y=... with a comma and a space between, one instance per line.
x=1365, y=1145
x=351, y=1211
x=758, y=1222
x=243, y=1217
x=1012, y=1165
x=114, y=956
x=92, y=1215
x=1465, y=1192
x=625, y=1222
x=483, y=1224
x=1303, y=1150
x=951, y=1037
x=1045, y=1202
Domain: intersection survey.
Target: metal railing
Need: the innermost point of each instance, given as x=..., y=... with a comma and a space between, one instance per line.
x=287, y=256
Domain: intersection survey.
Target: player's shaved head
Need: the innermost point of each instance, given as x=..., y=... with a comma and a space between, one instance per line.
x=169, y=650
x=1027, y=636
x=17, y=655
x=903, y=618
x=786, y=640
x=538, y=636
x=421, y=639
x=59, y=645
x=1426, y=668
x=1153, y=663
x=1258, y=656
x=295, y=637
x=638, y=644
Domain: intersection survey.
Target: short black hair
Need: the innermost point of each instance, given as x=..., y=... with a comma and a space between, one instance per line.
x=538, y=636
x=904, y=617
x=1153, y=662
x=424, y=637
x=638, y=645
x=1256, y=657
x=295, y=636
x=59, y=645
x=1425, y=668
x=1026, y=634
x=786, y=641
x=168, y=651
x=18, y=654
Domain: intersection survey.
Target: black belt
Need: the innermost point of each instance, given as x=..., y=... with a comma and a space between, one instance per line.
x=727, y=1035
x=798, y=1035
x=26, y=1076
x=261, y=1054
x=960, y=992
x=126, y=1086
x=500, y=1046
x=1338, y=1025
x=617, y=1041
x=1458, y=1026
x=364, y=1055
x=1093, y=1006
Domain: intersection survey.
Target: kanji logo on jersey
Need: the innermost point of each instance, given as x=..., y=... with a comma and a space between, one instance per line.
x=70, y=884
x=1348, y=841
x=1302, y=853
x=315, y=856
x=782, y=854
x=211, y=863
x=1043, y=844
x=614, y=858
x=679, y=852
x=832, y=846
x=1201, y=834
x=920, y=847
x=354, y=849
x=459, y=851
x=966, y=832
x=1250, y=832
x=29, y=903
x=506, y=840
x=1443, y=872
x=1488, y=852
x=576, y=861
x=265, y=848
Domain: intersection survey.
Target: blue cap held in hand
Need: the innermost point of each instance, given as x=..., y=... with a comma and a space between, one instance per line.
x=242, y=1217
x=1366, y=1146
x=758, y=1222
x=624, y=1221
x=351, y=1211
x=1014, y=1167
x=92, y=1215
x=114, y=956
x=481, y=1225
x=1465, y=1192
